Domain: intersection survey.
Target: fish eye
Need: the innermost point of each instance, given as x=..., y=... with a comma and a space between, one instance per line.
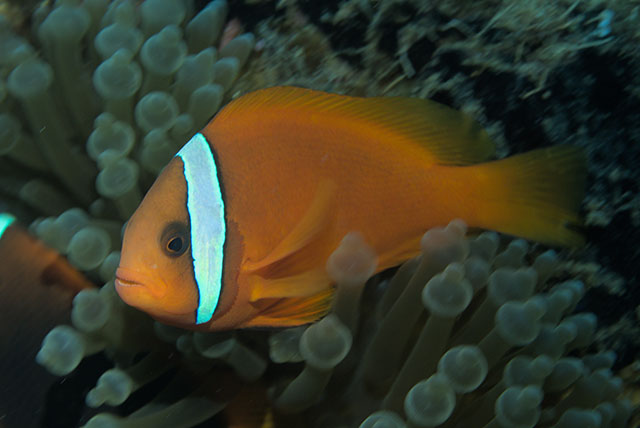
x=174, y=239
x=175, y=245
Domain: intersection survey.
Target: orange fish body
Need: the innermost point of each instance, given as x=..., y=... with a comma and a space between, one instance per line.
x=37, y=285
x=299, y=169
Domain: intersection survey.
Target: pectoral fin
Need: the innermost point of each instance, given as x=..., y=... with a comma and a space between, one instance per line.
x=293, y=311
x=399, y=254
x=290, y=284
x=302, y=285
x=298, y=250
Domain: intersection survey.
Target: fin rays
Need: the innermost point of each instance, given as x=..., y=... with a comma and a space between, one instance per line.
x=448, y=137
x=294, y=311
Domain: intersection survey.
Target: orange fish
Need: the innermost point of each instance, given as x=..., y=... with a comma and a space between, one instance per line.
x=236, y=230
x=37, y=285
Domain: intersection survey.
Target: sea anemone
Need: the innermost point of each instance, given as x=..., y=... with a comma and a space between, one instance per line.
x=471, y=333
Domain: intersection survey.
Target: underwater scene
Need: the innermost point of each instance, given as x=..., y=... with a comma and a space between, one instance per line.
x=319, y=213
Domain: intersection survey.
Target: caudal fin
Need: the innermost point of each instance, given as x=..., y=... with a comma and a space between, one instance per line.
x=535, y=195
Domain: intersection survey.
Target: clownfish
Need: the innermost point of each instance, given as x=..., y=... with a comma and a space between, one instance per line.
x=237, y=228
x=37, y=285
x=37, y=268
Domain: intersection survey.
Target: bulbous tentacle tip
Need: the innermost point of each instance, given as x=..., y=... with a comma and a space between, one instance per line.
x=353, y=262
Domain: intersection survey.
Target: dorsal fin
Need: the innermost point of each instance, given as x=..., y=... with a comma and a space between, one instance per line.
x=450, y=137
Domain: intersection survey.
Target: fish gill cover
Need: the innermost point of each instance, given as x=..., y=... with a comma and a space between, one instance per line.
x=98, y=95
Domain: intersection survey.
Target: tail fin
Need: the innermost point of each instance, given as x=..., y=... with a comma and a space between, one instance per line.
x=535, y=195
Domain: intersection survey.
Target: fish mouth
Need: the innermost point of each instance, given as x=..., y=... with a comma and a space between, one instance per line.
x=128, y=278
x=121, y=282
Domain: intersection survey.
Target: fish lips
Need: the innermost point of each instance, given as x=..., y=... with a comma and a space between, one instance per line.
x=129, y=279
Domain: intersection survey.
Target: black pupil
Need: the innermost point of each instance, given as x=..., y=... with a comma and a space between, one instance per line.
x=175, y=244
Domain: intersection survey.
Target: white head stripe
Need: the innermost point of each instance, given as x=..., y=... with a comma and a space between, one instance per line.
x=5, y=222
x=208, y=229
